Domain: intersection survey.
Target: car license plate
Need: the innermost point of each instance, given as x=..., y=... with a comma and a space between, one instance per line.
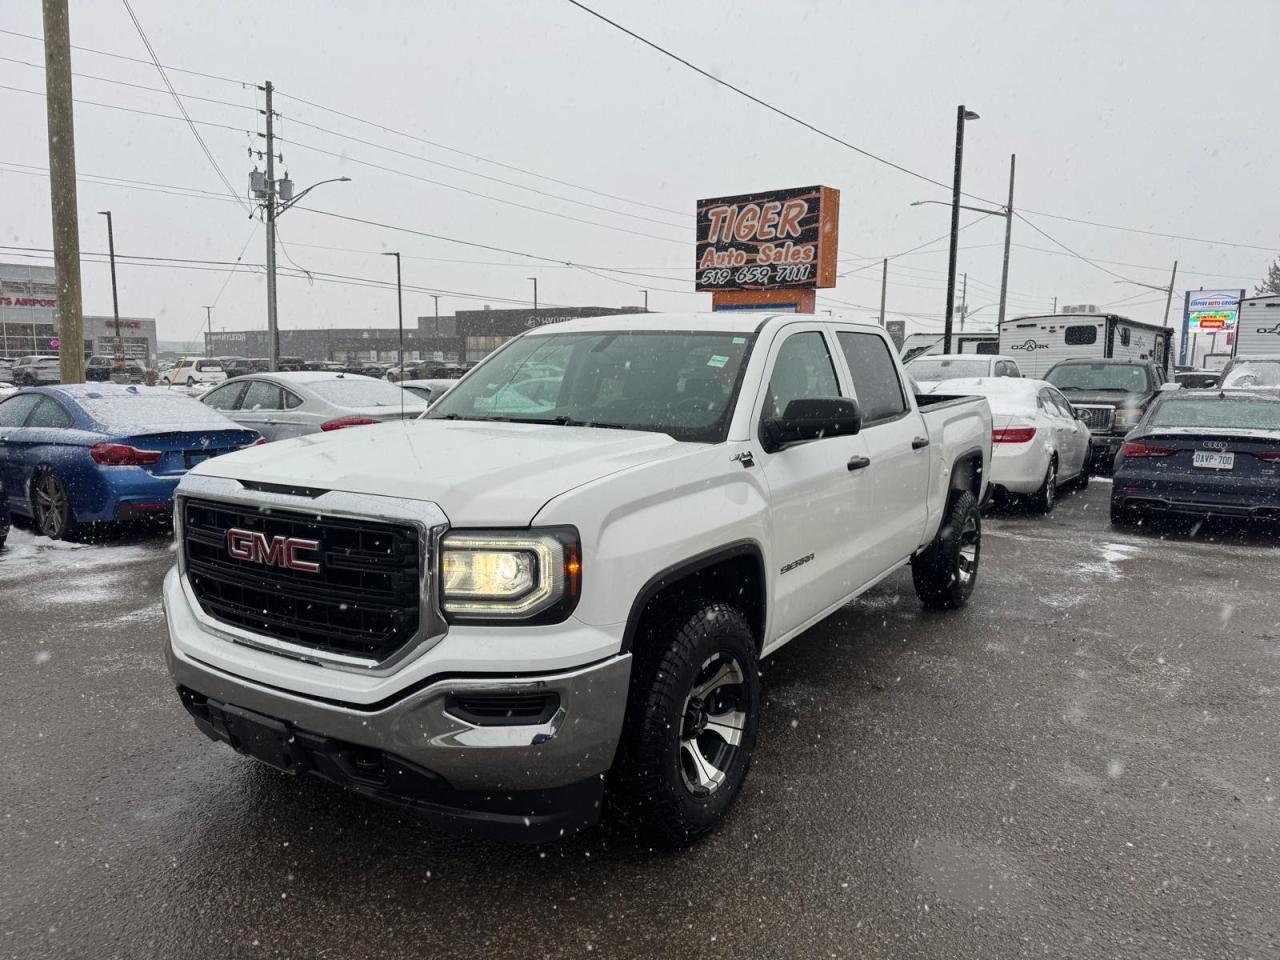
x=1214, y=461
x=199, y=456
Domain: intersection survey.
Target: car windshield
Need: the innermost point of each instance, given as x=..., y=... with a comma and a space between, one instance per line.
x=1241, y=413
x=1088, y=377
x=1253, y=373
x=948, y=368
x=351, y=392
x=673, y=382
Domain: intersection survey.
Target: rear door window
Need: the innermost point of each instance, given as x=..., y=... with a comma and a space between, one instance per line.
x=49, y=414
x=875, y=378
x=226, y=398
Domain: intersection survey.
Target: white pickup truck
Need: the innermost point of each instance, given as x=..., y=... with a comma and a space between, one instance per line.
x=561, y=581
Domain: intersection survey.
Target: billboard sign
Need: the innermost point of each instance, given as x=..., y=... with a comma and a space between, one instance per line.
x=1208, y=312
x=776, y=240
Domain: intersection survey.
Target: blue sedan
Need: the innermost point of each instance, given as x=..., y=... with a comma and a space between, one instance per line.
x=83, y=453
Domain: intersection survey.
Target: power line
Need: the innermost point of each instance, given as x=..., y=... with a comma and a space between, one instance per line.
x=121, y=56
x=1154, y=233
x=182, y=108
x=963, y=227
x=764, y=103
x=144, y=113
x=474, y=156
x=345, y=157
x=472, y=173
x=1078, y=256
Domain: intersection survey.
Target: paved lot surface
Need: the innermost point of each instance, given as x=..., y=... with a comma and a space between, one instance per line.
x=1081, y=764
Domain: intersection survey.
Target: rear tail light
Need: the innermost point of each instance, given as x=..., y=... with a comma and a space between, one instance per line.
x=1131, y=450
x=259, y=442
x=123, y=455
x=1269, y=456
x=1013, y=435
x=343, y=422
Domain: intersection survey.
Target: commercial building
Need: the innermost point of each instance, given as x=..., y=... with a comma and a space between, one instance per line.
x=29, y=319
x=468, y=335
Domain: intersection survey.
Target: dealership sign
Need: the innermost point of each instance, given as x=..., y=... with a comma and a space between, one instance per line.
x=778, y=240
x=1212, y=310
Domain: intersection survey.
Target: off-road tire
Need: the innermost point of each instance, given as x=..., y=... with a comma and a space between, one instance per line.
x=936, y=571
x=648, y=787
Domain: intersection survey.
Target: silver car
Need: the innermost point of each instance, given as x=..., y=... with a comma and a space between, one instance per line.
x=429, y=391
x=284, y=405
x=36, y=370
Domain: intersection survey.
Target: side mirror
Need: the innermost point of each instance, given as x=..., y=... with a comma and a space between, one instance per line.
x=811, y=418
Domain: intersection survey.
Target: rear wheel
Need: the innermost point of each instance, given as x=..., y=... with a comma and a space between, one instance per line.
x=692, y=717
x=946, y=571
x=191, y=381
x=1043, y=500
x=51, y=508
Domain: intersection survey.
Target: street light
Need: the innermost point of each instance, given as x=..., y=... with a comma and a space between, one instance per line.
x=535, y=293
x=115, y=301
x=961, y=116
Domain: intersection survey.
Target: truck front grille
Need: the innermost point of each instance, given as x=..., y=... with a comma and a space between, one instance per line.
x=363, y=600
x=1099, y=419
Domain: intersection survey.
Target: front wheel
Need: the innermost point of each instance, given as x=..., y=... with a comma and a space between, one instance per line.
x=692, y=717
x=945, y=572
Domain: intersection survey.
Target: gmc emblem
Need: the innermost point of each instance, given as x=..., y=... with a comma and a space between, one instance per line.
x=253, y=546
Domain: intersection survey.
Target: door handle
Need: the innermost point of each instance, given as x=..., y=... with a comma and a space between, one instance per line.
x=857, y=463
x=919, y=443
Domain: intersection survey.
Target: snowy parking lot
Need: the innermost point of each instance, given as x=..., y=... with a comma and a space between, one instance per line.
x=1084, y=756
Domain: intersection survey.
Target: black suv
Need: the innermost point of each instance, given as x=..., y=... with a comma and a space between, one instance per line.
x=1112, y=394
x=98, y=369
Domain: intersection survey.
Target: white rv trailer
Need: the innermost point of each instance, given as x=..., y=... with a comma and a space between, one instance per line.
x=1258, y=327
x=929, y=344
x=1038, y=342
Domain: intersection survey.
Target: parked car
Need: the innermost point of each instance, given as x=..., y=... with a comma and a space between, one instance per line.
x=930, y=344
x=1252, y=373
x=1202, y=452
x=36, y=369
x=936, y=367
x=1039, y=443
x=82, y=453
x=99, y=369
x=1197, y=379
x=428, y=391
x=195, y=370
x=243, y=366
x=6, y=369
x=1112, y=394
x=492, y=614
x=295, y=403
x=6, y=388
x=4, y=513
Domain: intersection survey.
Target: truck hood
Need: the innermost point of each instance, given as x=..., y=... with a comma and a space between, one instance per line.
x=480, y=473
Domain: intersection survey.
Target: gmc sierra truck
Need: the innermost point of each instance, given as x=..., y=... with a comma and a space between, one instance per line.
x=557, y=585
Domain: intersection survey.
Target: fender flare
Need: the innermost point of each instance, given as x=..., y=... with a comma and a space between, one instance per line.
x=686, y=568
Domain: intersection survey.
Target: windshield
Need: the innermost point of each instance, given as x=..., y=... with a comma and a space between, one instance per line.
x=948, y=368
x=1089, y=377
x=1243, y=413
x=349, y=392
x=677, y=383
x=1253, y=373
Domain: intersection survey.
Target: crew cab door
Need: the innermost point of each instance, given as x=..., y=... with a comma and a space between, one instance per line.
x=897, y=479
x=817, y=488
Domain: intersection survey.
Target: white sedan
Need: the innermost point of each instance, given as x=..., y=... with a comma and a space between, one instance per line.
x=1037, y=441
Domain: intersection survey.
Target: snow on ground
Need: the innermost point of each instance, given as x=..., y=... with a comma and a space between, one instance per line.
x=27, y=555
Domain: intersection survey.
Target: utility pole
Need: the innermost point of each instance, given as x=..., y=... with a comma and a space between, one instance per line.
x=961, y=116
x=62, y=190
x=1055, y=306
x=1008, y=236
x=208, y=325
x=400, y=309
x=436, y=298
x=884, y=286
x=273, y=329
x=115, y=300
x=646, y=300
x=1173, y=278
x=535, y=292
x=964, y=300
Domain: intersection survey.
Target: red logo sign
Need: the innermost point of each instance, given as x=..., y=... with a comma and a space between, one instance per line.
x=254, y=547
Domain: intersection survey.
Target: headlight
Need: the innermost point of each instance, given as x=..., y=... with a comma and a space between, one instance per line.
x=510, y=574
x=1128, y=416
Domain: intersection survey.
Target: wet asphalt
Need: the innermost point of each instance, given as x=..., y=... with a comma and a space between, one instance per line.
x=1083, y=763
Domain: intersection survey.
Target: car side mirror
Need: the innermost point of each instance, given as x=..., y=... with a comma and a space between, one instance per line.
x=811, y=418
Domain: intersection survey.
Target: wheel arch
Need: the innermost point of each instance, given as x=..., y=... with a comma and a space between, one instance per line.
x=967, y=474
x=733, y=573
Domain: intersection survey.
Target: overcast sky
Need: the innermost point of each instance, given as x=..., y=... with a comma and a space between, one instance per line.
x=1156, y=116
